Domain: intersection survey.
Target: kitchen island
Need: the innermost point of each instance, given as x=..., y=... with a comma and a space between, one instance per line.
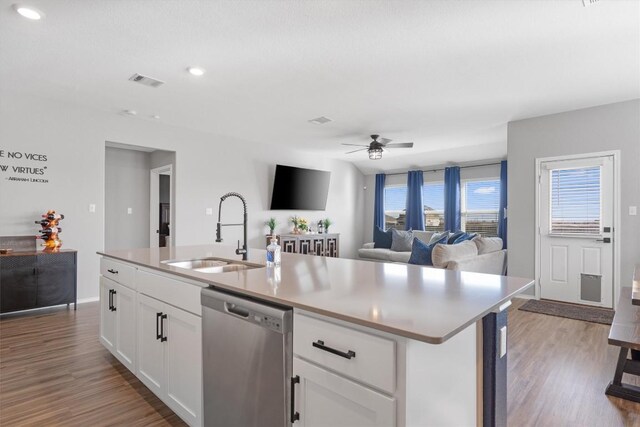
x=436, y=338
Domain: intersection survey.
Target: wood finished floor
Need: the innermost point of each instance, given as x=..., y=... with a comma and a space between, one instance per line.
x=53, y=371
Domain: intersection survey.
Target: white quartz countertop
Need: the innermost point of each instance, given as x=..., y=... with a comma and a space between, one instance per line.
x=422, y=303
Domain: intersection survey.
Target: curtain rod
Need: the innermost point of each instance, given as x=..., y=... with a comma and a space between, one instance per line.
x=441, y=169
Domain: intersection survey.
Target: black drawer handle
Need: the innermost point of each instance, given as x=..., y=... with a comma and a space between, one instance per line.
x=295, y=416
x=110, y=299
x=112, y=271
x=348, y=355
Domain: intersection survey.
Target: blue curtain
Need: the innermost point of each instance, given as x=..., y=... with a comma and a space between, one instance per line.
x=452, y=198
x=502, y=210
x=415, y=210
x=378, y=208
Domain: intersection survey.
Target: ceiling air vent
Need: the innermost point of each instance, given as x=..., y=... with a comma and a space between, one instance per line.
x=320, y=120
x=144, y=80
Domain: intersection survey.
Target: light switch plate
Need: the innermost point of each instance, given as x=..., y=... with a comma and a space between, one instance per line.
x=92, y=208
x=129, y=211
x=633, y=210
x=209, y=211
x=503, y=341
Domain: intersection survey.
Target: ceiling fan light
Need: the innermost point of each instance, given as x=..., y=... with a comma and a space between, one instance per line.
x=375, y=153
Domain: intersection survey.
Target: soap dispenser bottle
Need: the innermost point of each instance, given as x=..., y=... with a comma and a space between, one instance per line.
x=273, y=253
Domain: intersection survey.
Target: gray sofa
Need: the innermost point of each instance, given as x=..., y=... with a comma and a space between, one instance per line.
x=490, y=257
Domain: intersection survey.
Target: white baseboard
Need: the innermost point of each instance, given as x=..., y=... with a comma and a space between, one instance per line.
x=525, y=296
x=92, y=299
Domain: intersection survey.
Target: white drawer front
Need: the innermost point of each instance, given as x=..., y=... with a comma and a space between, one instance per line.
x=374, y=361
x=119, y=272
x=179, y=294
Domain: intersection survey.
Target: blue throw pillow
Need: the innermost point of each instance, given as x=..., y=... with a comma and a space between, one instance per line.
x=421, y=252
x=465, y=236
x=381, y=238
x=454, y=236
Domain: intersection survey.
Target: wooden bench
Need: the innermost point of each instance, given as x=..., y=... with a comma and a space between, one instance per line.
x=625, y=333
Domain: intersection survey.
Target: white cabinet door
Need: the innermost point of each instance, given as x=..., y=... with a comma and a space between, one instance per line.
x=151, y=364
x=184, y=364
x=107, y=316
x=324, y=399
x=125, y=305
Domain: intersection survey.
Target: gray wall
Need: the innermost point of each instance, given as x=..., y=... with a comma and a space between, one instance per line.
x=607, y=127
x=73, y=137
x=126, y=186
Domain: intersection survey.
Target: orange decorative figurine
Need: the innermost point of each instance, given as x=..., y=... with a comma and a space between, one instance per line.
x=50, y=231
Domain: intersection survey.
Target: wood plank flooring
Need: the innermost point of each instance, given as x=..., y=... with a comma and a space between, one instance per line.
x=53, y=371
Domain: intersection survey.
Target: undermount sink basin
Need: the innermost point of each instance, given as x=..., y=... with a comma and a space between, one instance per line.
x=210, y=265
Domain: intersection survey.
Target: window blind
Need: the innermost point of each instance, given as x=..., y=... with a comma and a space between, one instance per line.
x=433, y=199
x=481, y=201
x=575, y=201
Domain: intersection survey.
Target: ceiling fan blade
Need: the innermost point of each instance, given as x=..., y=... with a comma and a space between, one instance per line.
x=356, y=145
x=355, y=151
x=400, y=145
x=384, y=141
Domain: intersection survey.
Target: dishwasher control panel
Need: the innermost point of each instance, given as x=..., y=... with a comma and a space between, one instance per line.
x=268, y=322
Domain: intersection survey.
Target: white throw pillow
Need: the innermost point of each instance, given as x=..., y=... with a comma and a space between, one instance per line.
x=443, y=254
x=487, y=244
x=423, y=236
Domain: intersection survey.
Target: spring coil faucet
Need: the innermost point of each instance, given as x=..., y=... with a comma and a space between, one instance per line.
x=239, y=251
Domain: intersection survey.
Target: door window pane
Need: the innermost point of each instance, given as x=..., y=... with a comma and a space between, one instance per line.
x=480, y=204
x=433, y=200
x=575, y=201
x=395, y=201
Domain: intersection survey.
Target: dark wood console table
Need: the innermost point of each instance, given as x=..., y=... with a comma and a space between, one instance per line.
x=37, y=279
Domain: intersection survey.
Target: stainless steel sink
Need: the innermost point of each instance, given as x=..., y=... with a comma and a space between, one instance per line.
x=210, y=265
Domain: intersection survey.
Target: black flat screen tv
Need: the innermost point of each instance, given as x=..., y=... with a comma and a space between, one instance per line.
x=300, y=189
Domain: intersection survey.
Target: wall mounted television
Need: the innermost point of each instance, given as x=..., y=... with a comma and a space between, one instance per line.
x=300, y=189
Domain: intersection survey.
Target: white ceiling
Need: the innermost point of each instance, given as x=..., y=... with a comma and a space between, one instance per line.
x=447, y=75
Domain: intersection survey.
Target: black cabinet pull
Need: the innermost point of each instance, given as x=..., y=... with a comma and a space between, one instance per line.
x=158, y=320
x=163, y=338
x=295, y=416
x=112, y=271
x=348, y=355
x=111, y=306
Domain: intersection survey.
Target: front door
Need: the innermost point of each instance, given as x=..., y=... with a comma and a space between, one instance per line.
x=576, y=230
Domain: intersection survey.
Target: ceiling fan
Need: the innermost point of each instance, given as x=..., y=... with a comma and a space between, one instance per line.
x=375, y=148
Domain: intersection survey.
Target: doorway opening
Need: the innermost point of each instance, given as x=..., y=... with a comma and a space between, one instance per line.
x=577, y=218
x=160, y=207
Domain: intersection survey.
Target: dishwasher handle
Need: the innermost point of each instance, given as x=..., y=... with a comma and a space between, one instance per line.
x=236, y=310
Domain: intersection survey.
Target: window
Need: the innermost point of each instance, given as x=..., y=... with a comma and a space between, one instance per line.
x=395, y=202
x=575, y=201
x=433, y=200
x=480, y=204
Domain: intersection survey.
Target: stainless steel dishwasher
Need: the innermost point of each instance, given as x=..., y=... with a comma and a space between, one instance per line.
x=247, y=358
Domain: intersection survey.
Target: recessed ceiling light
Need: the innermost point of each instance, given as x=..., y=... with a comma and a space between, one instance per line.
x=28, y=12
x=196, y=71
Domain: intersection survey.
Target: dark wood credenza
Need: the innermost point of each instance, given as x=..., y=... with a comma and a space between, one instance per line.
x=37, y=279
x=327, y=244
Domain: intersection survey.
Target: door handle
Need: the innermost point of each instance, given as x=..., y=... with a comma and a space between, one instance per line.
x=295, y=416
x=158, y=320
x=112, y=271
x=604, y=240
x=113, y=307
x=110, y=299
x=163, y=337
x=348, y=355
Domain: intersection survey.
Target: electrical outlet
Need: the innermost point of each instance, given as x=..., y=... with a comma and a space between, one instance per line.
x=92, y=208
x=208, y=211
x=129, y=211
x=633, y=210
